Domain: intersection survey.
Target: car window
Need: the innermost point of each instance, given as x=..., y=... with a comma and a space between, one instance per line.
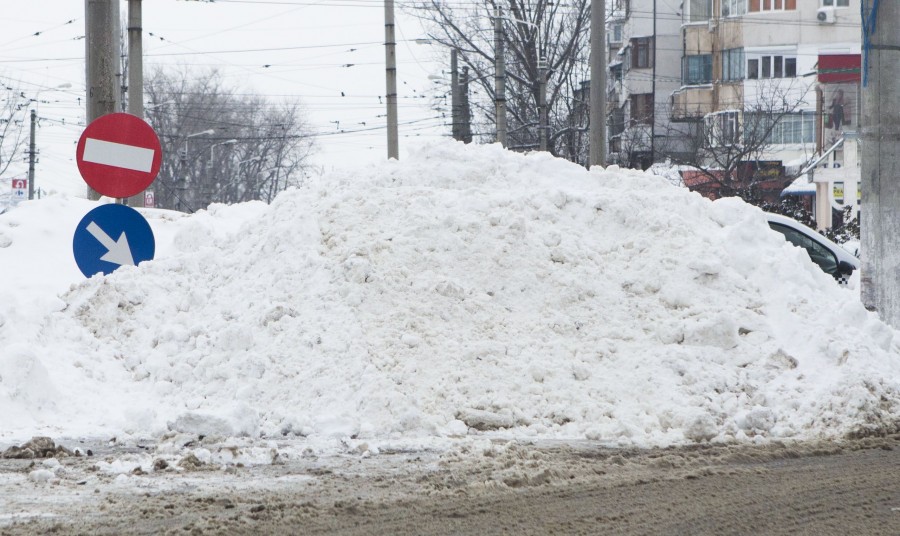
x=819, y=254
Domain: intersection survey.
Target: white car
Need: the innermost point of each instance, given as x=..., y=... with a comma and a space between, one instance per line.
x=831, y=258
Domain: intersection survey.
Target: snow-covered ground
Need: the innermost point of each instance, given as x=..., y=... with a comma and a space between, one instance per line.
x=465, y=291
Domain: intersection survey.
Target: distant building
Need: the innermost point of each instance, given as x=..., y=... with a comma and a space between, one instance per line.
x=740, y=58
x=644, y=70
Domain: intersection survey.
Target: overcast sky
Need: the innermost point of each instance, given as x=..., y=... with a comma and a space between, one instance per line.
x=314, y=50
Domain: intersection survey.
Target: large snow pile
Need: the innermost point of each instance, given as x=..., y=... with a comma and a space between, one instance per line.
x=465, y=289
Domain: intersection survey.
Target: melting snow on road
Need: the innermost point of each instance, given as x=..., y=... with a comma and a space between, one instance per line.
x=465, y=290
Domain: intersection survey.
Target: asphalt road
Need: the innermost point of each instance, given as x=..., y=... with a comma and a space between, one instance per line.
x=841, y=488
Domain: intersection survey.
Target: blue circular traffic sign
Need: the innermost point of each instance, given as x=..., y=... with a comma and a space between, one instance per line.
x=111, y=236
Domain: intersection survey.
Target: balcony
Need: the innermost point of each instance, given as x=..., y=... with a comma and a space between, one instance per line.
x=692, y=103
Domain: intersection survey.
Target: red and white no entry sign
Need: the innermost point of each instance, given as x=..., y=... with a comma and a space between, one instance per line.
x=118, y=155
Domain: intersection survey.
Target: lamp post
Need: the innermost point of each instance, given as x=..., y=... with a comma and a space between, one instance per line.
x=211, y=186
x=212, y=151
x=184, y=152
x=181, y=186
x=148, y=107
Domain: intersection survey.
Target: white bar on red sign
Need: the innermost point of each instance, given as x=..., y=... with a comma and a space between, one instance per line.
x=118, y=155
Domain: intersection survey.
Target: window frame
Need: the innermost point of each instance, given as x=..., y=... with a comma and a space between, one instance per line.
x=767, y=6
x=723, y=129
x=616, y=33
x=641, y=52
x=735, y=8
x=642, y=108
x=734, y=64
x=701, y=15
x=795, y=128
x=771, y=65
x=705, y=66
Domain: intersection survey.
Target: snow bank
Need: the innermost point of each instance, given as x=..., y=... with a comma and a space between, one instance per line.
x=464, y=290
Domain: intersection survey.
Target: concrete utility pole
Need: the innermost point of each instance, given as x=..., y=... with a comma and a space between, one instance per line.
x=101, y=45
x=466, y=131
x=455, y=108
x=499, y=79
x=543, y=125
x=597, y=137
x=390, y=46
x=31, y=155
x=135, y=75
x=653, y=93
x=880, y=159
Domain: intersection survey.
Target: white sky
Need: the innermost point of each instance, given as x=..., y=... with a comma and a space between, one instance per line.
x=418, y=300
x=316, y=39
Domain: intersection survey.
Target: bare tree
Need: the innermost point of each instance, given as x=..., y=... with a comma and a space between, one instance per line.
x=220, y=146
x=728, y=148
x=555, y=31
x=13, y=126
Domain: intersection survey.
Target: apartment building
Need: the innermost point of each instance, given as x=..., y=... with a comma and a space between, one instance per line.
x=797, y=60
x=644, y=43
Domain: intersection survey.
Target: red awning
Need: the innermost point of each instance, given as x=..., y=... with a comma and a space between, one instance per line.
x=839, y=68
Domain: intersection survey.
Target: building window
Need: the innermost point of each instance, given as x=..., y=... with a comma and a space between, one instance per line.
x=789, y=128
x=733, y=64
x=615, y=72
x=734, y=8
x=615, y=32
x=771, y=67
x=723, y=129
x=642, y=108
x=641, y=57
x=790, y=67
x=700, y=10
x=697, y=69
x=617, y=122
x=772, y=5
x=836, y=3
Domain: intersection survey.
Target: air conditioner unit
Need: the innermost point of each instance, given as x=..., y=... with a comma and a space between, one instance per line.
x=825, y=15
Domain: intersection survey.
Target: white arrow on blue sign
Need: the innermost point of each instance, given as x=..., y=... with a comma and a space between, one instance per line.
x=111, y=236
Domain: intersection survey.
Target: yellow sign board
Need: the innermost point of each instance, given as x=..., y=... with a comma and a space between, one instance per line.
x=838, y=191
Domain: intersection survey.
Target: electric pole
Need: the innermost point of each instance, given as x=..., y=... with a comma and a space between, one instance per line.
x=135, y=74
x=597, y=137
x=390, y=54
x=101, y=44
x=542, y=103
x=31, y=155
x=466, y=131
x=455, y=108
x=653, y=92
x=499, y=79
x=880, y=160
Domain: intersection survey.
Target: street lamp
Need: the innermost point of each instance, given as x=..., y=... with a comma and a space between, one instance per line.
x=148, y=107
x=212, y=151
x=184, y=152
